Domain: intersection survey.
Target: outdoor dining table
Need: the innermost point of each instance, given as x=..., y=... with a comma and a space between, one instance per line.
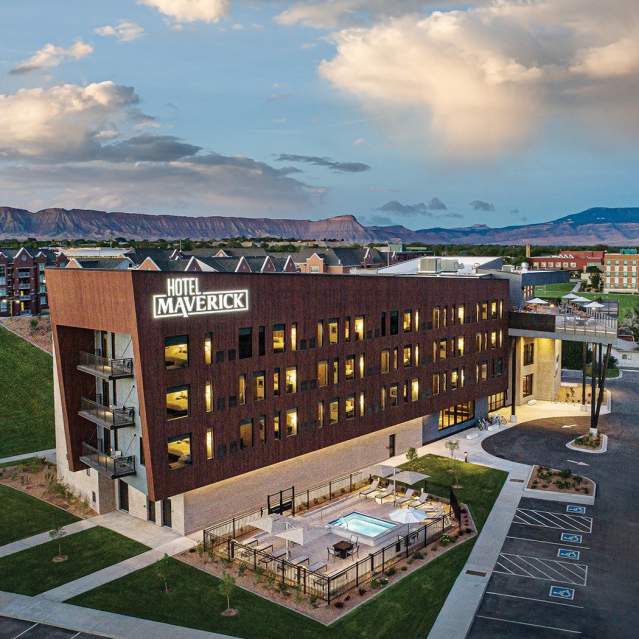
x=342, y=549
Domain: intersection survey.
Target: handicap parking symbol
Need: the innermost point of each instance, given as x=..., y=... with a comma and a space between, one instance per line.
x=571, y=538
x=568, y=553
x=561, y=592
x=576, y=510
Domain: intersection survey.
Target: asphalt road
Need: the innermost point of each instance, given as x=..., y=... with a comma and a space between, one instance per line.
x=605, y=576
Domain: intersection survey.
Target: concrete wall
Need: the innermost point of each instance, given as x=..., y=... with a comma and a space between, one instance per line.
x=546, y=369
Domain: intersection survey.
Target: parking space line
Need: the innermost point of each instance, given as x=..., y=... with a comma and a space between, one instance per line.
x=24, y=632
x=554, y=543
x=559, y=521
x=532, y=625
x=508, y=572
x=553, y=603
x=546, y=575
x=517, y=566
x=569, y=572
x=566, y=568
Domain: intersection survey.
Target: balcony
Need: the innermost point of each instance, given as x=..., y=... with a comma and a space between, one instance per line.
x=104, y=367
x=24, y=286
x=109, y=417
x=112, y=465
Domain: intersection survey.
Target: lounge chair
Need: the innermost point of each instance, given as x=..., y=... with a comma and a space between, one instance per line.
x=408, y=496
x=420, y=500
x=381, y=495
x=371, y=489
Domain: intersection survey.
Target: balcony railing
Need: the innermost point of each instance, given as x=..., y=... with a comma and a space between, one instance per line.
x=109, y=417
x=113, y=465
x=105, y=367
x=24, y=286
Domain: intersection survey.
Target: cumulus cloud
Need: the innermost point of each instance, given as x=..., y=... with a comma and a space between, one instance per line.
x=480, y=205
x=342, y=167
x=484, y=79
x=182, y=11
x=51, y=55
x=125, y=31
x=420, y=208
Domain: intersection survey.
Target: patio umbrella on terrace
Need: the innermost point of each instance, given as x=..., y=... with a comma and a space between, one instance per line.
x=569, y=296
x=410, y=478
x=380, y=470
x=536, y=300
x=274, y=524
x=407, y=516
x=580, y=300
x=302, y=534
x=594, y=305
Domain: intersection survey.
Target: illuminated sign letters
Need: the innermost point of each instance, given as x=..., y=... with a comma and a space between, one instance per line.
x=183, y=298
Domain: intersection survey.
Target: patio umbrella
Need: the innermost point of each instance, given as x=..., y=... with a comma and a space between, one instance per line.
x=274, y=524
x=407, y=516
x=536, y=300
x=594, y=305
x=380, y=470
x=569, y=296
x=410, y=478
x=580, y=300
x=303, y=534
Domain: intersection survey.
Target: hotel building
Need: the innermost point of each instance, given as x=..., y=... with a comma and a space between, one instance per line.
x=621, y=272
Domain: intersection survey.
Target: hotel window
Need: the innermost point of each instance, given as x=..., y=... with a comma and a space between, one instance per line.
x=496, y=401
x=320, y=334
x=208, y=349
x=176, y=352
x=443, y=349
x=478, y=342
x=293, y=336
x=453, y=314
x=414, y=390
x=335, y=370
x=461, y=314
x=178, y=450
x=333, y=331
x=245, y=344
x=277, y=431
x=246, y=433
x=493, y=310
x=394, y=322
x=208, y=397
x=407, y=356
x=416, y=320
x=483, y=371
x=291, y=422
x=361, y=365
x=383, y=325
x=442, y=382
x=241, y=389
x=406, y=321
x=210, y=444
x=436, y=384
x=501, y=308
x=436, y=314
x=261, y=341
x=484, y=310
x=177, y=402
x=456, y=414
x=320, y=413
x=278, y=338
x=276, y=382
x=493, y=339
x=261, y=428
x=382, y=397
x=349, y=407
x=259, y=380
x=393, y=394
x=459, y=346
x=416, y=355
x=349, y=367
x=527, y=385
x=362, y=404
x=347, y=329
x=529, y=353
x=454, y=379
x=333, y=411
x=291, y=379
x=359, y=329
x=444, y=316
x=501, y=338
x=322, y=373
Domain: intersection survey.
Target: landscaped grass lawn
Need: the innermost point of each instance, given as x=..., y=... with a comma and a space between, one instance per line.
x=31, y=571
x=406, y=609
x=554, y=290
x=26, y=410
x=23, y=516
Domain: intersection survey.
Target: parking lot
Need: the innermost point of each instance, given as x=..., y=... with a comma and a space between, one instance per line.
x=16, y=628
x=540, y=586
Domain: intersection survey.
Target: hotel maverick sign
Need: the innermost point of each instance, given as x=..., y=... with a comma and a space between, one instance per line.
x=183, y=298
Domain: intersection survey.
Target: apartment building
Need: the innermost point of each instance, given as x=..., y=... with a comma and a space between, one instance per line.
x=620, y=274
x=184, y=397
x=23, y=281
x=568, y=261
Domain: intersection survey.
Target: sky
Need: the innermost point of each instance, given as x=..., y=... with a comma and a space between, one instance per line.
x=423, y=113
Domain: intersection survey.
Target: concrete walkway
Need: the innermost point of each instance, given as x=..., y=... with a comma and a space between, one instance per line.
x=90, y=621
x=110, y=573
x=142, y=531
x=36, y=540
x=49, y=455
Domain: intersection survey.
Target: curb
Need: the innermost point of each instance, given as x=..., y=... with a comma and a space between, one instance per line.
x=551, y=495
x=581, y=449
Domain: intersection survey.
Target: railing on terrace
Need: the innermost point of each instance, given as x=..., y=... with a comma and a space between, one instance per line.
x=564, y=319
x=104, y=366
x=104, y=462
x=107, y=416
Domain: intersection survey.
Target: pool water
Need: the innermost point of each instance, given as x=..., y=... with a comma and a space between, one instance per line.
x=360, y=524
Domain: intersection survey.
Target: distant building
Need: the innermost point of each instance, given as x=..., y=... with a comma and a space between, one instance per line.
x=568, y=261
x=621, y=272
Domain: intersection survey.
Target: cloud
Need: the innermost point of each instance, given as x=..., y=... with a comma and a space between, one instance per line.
x=124, y=31
x=359, y=141
x=190, y=10
x=420, y=208
x=482, y=80
x=344, y=167
x=51, y=55
x=148, y=148
x=480, y=205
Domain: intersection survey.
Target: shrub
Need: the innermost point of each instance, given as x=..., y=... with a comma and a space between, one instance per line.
x=362, y=591
x=564, y=473
x=313, y=601
x=418, y=555
x=339, y=604
x=375, y=583
x=390, y=572
x=411, y=455
x=444, y=540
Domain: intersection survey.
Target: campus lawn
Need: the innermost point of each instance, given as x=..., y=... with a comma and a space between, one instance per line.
x=406, y=609
x=23, y=516
x=31, y=571
x=26, y=410
x=554, y=290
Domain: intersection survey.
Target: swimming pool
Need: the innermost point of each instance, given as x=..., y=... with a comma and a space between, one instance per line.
x=366, y=528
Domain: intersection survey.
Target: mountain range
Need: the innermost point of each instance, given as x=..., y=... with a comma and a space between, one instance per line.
x=613, y=226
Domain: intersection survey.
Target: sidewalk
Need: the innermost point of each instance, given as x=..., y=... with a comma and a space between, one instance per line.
x=49, y=455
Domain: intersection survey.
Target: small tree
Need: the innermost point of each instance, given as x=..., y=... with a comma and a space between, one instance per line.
x=632, y=322
x=56, y=534
x=411, y=455
x=226, y=588
x=452, y=445
x=162, y=568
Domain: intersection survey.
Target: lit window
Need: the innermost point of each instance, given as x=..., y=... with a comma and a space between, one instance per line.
x=436, y=314
x=320, y=413
x=349, y=407
x=362, y=404
x=291, y=422
x=493, y=339
x=443, y=344
x=382, y=397
x=385, y=361
x=208, y=397
x=333, y=411
x=454, y=379
x=459, y=346
x=359, y=329
x=361, y=364
x=435, y=384
x=291, y=379
x=406, y=321
x=278, y=338
x=178, y=451
x=277, y=431
x=416, y=357
x=261, y=428
x=395, y=358
x=208, y=348
x=320, y=333
x=294, y=337
x=336, y=371
x=349, y=367
x=177, y=402
x=246, y=433
x=416, y=320
x=176, y=352
x=333, y=331
x=260, y=385
x=276, y=381
x=322, y=373
x=210, y=444
x=347, y=329
x=393, y=394
x=241, y=389
x=407, y=358
x=461, y=314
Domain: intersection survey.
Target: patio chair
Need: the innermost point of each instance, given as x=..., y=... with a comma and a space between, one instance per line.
x=419, y=500
x=408, y=496
x=381, y=495
x=371, y=489
x=354, y=552
x=331, y=552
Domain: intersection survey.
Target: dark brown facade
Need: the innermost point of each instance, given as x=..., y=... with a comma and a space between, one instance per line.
x=121, y=302
x=22, y=283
